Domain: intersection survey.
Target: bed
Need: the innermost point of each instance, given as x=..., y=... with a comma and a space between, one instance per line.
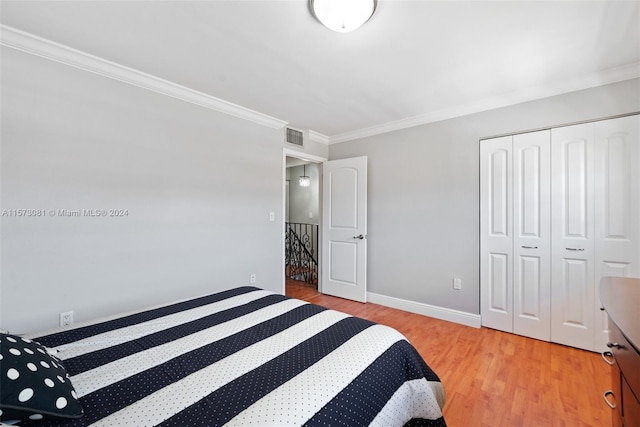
x=244, y=356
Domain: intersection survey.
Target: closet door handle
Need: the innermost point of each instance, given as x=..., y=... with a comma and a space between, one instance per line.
x=575, y=249
x=529, y=247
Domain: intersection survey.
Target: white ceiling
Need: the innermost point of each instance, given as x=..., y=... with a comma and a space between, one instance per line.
x=413, y=62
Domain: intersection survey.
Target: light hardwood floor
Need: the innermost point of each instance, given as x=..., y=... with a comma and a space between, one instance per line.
x=492, y=378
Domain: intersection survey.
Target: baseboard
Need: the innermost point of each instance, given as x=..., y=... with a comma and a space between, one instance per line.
x=441, y=313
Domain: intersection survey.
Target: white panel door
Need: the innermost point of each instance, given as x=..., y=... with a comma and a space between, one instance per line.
x=532, y=235
x=617, y=207
x=344, y=231
x=572, y=229
x=496, y=240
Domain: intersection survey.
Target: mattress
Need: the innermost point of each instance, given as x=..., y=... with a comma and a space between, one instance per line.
x=244, y=356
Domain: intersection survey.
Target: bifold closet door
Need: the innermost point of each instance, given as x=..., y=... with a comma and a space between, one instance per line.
x=617, y=206
x=572, y=235
x=496, y=240
x=532, y=235
x=515, y=234
x=559, y=210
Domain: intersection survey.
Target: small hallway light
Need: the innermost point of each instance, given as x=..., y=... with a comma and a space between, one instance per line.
x=343, y=16
x=304, y=180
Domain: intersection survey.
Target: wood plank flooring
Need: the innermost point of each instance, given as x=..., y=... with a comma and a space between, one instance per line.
x=492, y=378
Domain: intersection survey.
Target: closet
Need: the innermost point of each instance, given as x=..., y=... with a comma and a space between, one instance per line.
x=559, y=209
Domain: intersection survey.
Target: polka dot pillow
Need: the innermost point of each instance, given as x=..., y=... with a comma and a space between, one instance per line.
x=33, y=384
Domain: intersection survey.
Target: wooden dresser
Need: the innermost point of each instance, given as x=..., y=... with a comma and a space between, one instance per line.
x=620, y=298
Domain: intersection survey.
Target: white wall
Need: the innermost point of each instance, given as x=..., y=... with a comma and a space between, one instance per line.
x=423, y=192
x=198, y=186
x=311, y=147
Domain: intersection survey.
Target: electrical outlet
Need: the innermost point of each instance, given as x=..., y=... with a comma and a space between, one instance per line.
x=457, y=283
x=252, y=279
x=66, y=318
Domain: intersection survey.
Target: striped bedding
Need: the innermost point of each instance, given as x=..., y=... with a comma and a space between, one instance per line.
x=245, y=357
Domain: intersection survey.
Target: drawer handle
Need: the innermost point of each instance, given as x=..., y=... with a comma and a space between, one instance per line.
x=614, y=345
x=609, y=393
x=575, y=249
x=529, y=247
x=606, y=355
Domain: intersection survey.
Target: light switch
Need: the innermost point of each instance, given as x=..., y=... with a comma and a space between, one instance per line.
x=272, y=216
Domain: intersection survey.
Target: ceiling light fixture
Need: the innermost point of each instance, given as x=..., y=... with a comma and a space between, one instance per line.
x=304, y=180
x=343, y=15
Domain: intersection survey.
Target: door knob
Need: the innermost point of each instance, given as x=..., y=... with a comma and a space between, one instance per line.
x=359, y=237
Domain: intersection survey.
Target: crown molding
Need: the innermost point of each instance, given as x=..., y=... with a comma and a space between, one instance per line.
x=44, y=48
x=612, y=75
x=318, y=137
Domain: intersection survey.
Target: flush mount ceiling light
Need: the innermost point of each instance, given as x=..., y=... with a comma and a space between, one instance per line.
x=342, y=15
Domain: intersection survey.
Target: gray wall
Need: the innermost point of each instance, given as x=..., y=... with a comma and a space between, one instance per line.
x=423, y=192
x=304, y=200
x=198, y=186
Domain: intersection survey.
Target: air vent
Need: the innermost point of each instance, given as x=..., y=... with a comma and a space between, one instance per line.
x=294, y=137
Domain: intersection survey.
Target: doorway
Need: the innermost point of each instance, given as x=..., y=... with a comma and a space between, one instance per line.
x=302, y=189
x=302, y=209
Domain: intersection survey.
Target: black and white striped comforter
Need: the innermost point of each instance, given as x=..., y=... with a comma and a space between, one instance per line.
x=245, y=357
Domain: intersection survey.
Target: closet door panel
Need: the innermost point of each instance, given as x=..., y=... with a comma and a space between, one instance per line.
x=532, y=233
x=496, y=240
x=530, y=305
x=617, y=193
x=574, y=180
x=572, y=251
x=574, y=289
x=617, y=204
x=498, y=292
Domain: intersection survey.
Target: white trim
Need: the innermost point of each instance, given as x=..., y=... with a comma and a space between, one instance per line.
x=302, y=155
x=612, y=75
x=441, y=313
x=318, y=137
x=38, y=46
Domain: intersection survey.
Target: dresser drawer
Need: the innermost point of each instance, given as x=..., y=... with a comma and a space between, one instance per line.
x=630, y=408
x=627, y=358
x=613, y=397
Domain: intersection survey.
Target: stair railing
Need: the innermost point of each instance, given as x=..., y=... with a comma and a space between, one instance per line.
x=301, y=248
